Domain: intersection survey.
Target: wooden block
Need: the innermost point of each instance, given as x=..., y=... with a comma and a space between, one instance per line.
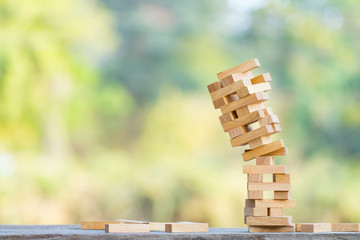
x=268, y=186
x=265, y=161
x=127, y=228
x=257, y=212
x=269, y=203
x=282, y=194
x=276, y=127
x=298, y=227
x=245, y=77
x=243, y=120
x=247, y=90
x=242, y=102
x=212, y=88
x=263, y=150
x=261, y=78
x=269, y=119
x=238, y=131
x=158, y=226
x=241, y=68
x=249, y=108
x=255, y=195
x=258, y=142
x=259, y=229
x=264, y=169
x=246, y=137
x=275, y=212
x=96, y=225
x=186, y=227
x=229, y=89
x=269, y=221
x=315, y=227
x=228, y=117
x=346, y=227
x=255, y=177
x=283, y=178
x=280, y=152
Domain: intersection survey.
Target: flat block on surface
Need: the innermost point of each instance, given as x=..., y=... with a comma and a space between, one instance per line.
x=272, y=229
x=157, y=226
x=269, y=203
x=346, y=227
x=96, y=225
x=263, y=169
x=269, y=221
x=127, y=228
x=186, y=227
x=315, y=227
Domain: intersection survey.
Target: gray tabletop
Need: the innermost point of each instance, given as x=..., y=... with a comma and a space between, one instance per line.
x=75, y=232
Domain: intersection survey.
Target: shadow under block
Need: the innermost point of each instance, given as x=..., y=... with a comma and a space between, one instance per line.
x=269, y=203
x=263, y=150
x=275, y=212
x=269, y=221
x=264, y=169
x=256, y=212
x=241, y=68
x=315, y=227
x=268, y=186
x=242, y=102
x=256, y=229
x=265, y=161
x=96, y=225
x=345, y=227
x=127, y=228
x=186, y=227
x=245, y=138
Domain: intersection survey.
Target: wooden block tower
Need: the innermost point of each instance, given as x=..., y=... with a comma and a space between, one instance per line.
x=240, y=97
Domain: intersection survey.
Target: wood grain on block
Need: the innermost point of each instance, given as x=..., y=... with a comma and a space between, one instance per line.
x=242, y=102
x=245, y=138
x=265, y=161
x=298, y=227
x=238, y=131
x=264, y=169
x=269, y=221
x=241, y=68
x=269, y=203
x=257, y=212
x=282, y=194
x=258, y=142
x=269, y=119
x=247, y=90
x=229, y=89
x=259, y=229
x=315, y=227
x=263, y=150
x=275, y=212
x=284, y=178
x=96, y=225
x=127, y=228
x=255, y=195
x=268, y=186
x=255, y=177
x=227, y=117
x=261, y=78
x=157, y=226
x=280, y=152
x=186, y=227
x=243, y=120
x=346, y=227
x=245, y=77
x=212, y=88
x=249, y=108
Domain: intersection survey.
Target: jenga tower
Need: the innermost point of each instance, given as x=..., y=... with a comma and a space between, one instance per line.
x=240, y=97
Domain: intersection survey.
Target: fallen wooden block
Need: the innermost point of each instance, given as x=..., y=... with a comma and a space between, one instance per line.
x=269, y=203
x=268, y=186
x=257, y=212
x=96, y=225
x=264, y=169
x=186, y=227
x=127, y=228
x=241, y=68
x=269, y=221
x=264, y=150
x=345, y=227
x=270, y=229
x=315, y=227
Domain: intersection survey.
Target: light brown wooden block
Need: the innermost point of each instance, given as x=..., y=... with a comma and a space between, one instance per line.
x=257, y=212
x=276, y=127
x=269, y=221
x=269, y=203
x=242, y=102
x=264, y=169
x=283, y=178
x=261, y=78
x=268, y=186
x=186, y=227
x=265, y=161
x=255, y=177
x=241, y=68
x=249, y=108
x=258, y=142
x=212, y=88
x=346, y=227
x=157, y=226
x=238, y=131
x=298, y=227
x=229, y=89
x=243, y=120
x=259, y=229
x=96, y=225
x=255, y=194
x=283, y=195
x=269, y=119
x=127, y=228
x=245, y=77
x=275, y=211
x=280, y=152
x=246, y=90
x=227, y=117
x=246, y=137
x=315, y=227
x=263, y=150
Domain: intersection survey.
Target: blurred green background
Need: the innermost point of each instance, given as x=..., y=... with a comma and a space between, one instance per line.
x=105, y=114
